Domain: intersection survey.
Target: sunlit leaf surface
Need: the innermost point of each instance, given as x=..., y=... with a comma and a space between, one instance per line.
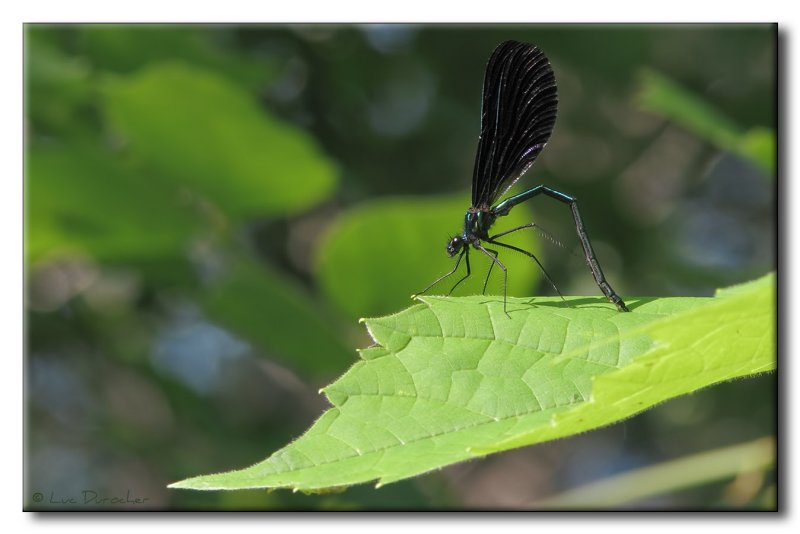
x=454, y=378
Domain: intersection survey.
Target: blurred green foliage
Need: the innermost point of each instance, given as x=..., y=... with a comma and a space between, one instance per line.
x=208, y=208
x=127, y=48
x=268, y=308
x=212, y=137
x=662, y=95
x=85, y=200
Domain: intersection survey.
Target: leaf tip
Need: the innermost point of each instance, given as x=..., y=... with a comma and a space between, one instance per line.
x=189, y=483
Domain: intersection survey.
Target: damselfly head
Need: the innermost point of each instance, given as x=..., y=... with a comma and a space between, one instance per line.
x=455, y=245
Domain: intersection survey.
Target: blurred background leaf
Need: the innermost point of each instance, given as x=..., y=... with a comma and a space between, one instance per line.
x=667, y=98
x=127, y=48
x=57, y=85
x=81, y=198
x=745, y=463
x=210, y=135
x=209, y=208
x=261, y=305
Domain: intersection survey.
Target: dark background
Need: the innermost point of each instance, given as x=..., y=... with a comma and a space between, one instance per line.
x=209, y=209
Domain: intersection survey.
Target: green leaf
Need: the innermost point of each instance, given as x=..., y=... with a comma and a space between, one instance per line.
x=665, y=97
x=453, y=379
x=57, y=86
x=208, y=134
x=126, y=48
x=273, y=312
x=404, y=239
x=79, y=197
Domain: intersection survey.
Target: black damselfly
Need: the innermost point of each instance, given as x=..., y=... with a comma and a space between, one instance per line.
x=517, y=116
